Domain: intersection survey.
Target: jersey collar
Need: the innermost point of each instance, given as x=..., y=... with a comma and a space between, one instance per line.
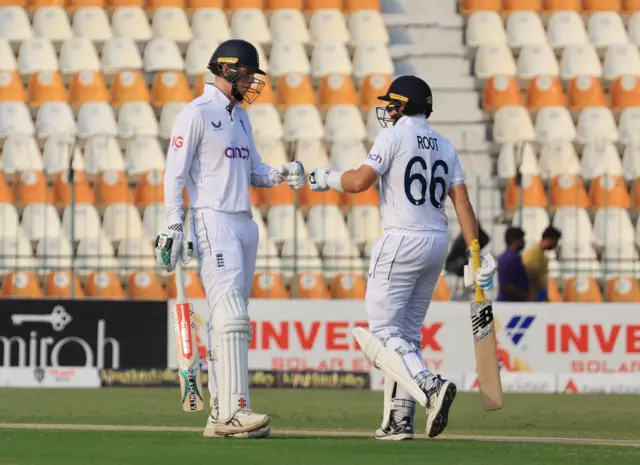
x=417, y=120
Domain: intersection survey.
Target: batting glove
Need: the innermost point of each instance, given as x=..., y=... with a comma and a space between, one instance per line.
x=171, y=245
x=318, y=179
x=484, y=276
x=294, y=174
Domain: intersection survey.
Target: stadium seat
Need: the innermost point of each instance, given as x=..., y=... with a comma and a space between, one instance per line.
x=348, y=286
x=537, y=60
x=128, y=86
x=339, y=256
x=20, y=153
x=14, y=25
x=294, y=89
x=368, y=197
x=299, y=254
x=86, y=221
x=371, y=88
x=554, y=124
x=153, y=220
x=136, y=253
x=211, y=24
x=336, y=89
x=7, y=59
x=578, y=258
x=269, y=285
x=233, y=5
x=250, y=24
x=21, y=284
x=592, y=6
x=606, y=28
x=37, y=54
x=620, y=259
x=581, y=289
x=198, y=54
x=532, y=220
x=192, y=287
x=512, y=124
x=10, y=225
x=326, y=223
x=595, y=124
x=622, y=289
x=367, y=26
x=279, y=195
x=500, y=91
x=354, y=6
x=328, y=25
x=529, y=194
x=112, y=187
x=309, y=199
x=119, y=54
x=609, y=191
x=302, y=122
x=6, y=196
x=363, y=223
x=92, y=23
x=102, y=153
x=31, y=187
x=54, y=118
x=288, y=24
x=74, y=5
x=62, y=285
x=621, y=60
x=78, y=54
x=122, y=221
x=149, y=191
x=599, y=158
x=162, y=54
x=11, y=88
x=494, y=59
x=167, y=117
x=33, y=6
x=371, y=58
x=630, y=7
x=525, y=28
x=283, y=221
x=580, y=60
x=104, y=285
x=514, y=6
x=130, y=22
x=53, y=252
x=137, y=119
x=265, y=121
x=52, y=23
x=95, y=253
x=347, y=155
x=172, y=23
x=45, y=86
x=568, y=191
x=152, y=5
x=483, y=28
x=310, y=152
x=629, y=126
x=625, y=92
x=516, y=158
x=550, y=6
x=344, y=122
x=287, y=58
x=574, y=223
x=311, y=286
x=545, y=91
x=612, y=225
x=62, y=193
x=272, y=152
x=96, y=119
x=87, y=86
x=585, y=92
x=566, y=28
x=115, y=5
x=469, y=6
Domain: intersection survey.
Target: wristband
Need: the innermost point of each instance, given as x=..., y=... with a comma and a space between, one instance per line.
x=334, y=181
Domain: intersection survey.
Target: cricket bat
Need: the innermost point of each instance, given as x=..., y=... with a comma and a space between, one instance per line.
x=186, y=347
x=484, y=337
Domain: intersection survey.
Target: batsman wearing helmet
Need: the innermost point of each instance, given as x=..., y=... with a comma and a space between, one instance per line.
x=212, y=152
x=418, y=168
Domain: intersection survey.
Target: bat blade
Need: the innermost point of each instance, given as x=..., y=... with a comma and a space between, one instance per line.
x=484, y=336
x=188, y=361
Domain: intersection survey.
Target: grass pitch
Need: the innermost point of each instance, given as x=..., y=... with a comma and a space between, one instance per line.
x=566, y=416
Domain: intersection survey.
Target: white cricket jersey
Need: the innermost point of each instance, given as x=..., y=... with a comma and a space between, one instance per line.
x=417, y=166
x=212, y=151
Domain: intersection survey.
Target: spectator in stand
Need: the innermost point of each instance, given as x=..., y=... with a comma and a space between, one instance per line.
x=512, y=275
x=537, y=264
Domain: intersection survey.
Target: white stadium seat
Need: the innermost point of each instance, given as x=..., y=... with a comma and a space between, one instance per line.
x=596, y=123
x=15, y=118
x=633, y=28
x=330, y=58
x=137, y=119
x=86, y=221
x=95, y=252
x=629, y=126
x=272, y=151
x=267, y=257
x=40, y=220
x=367, y=26
x=96, y=119
x=265, y=121
x=14, y=25
x=288, y=57
x=574, y=223
x=92, y=23
x=143, y=154
x=347, y=155
x=303, y=122
x=580, y=60
x=339, y=257
x=167, y=117
x=37, y=54
x=620, y=259
x=284, y=222
x=328, y=25
x=311, y=152
x=102, y=154
x=53, y=23
x=7, y=59
x=558, y=158
x=20, y=153
x=257, y=218
x=78, y=54
x=516, y=158
x=512, y=124
x=172, y=23
x=483, y=28
x=210, y=24
x=326, y=223
x=344, y=122
x=537, y=60
x=533, y=221
x=621, y=60
x=566, y=28
x=56, y=153
x=55, y=118
x=131, y=22
x=631, y=162
x=578, y=258
x=289, y=25
x=154, y=220
x=54, y=252
x=613, y=225
x=10, y=221
x=364, y=223
x=525, y=28
x=372, y=58
x=600, y=158
x=198, y=55
x=554, y=124
x=494, y=60
x=606, y=28
x=120, y=53
x=299, y=255
x=15, y=253
x=162, y=54
x=136, y=253
x=250, y=24
x=122, y=220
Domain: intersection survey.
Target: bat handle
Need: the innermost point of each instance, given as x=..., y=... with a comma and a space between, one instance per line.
x=180, y=283
x=477, y=263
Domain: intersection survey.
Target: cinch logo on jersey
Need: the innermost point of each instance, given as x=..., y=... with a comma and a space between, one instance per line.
x=517, y=327
x=237, y=152
x=375, y=157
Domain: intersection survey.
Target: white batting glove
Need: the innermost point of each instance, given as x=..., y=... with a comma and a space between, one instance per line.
x=170, y=246
x=318, y=179
x=294, y=174
x=484, y=276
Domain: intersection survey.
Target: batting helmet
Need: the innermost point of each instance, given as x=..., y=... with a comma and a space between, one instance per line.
x=407, y=95
x=227, y=61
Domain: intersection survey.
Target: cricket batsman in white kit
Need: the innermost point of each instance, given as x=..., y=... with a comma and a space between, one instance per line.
x=212, y=152
x=418, y=168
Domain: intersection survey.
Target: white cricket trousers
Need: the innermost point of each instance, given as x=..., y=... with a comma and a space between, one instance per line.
x=403, y=273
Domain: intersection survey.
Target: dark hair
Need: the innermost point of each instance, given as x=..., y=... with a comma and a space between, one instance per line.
x=513, y=234
x=551, y=233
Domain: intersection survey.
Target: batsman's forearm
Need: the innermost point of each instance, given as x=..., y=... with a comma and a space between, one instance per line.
x=468, y=222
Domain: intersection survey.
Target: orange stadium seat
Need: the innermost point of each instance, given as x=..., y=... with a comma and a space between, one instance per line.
x=153, y=5
x=149, y=189
x=128, y=86
x=11, y=88
x=441, y=291
x=269, y=285
x=551, y=6
x=113, y=4
x=112, y=187
x=348, y=286
x=368, y=197
x=6, y=196
x=609, y=191
x=33, y=5
x=336, y=89
x=104, y=285
x=625, y=92
x=308, y=198
x=373, y=86
x=469, y=6
x=31, y=187
x=545, y=91
x=266, y=96
x=198, y=86
x=62, y=189
x=46, y=86
x=169, y=87
x=87, y=86
x=311, y=285
x=553, y=293
x=58, y=284
x=284, y=4
x=585, y=91
x=533, y=194
x=253, y=196
x=145, y=285
x=590, y=6
x=21, y=284
x=630, y=6
x=351, y=6
x=279, y=195
x=74, y=5
x=233, y=5
x=568, y=191
x=21, y=3
x=520, y=5
x=581, y=289
x=635, y=194
x=193, y=5
x=500, y=91
x=294, y=89
x=622, y=289
x=192, y=287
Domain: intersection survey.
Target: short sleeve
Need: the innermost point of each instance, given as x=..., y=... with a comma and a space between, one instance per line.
x=457, y=176
x=382, y=152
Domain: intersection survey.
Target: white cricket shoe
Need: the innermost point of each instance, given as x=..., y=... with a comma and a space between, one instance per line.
x=245, y=424
x=396, y=432
x=210, y=432
x=440, y=398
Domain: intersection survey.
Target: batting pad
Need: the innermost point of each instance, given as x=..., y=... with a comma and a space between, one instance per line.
x=232, y=328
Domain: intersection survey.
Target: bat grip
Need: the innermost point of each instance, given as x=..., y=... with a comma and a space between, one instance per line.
x=477, y=263
x=180, y=283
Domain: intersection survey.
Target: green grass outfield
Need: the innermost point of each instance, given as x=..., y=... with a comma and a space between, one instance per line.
x=310, y=427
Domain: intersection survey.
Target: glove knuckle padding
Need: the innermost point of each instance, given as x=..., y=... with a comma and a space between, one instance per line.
x=232, y=328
